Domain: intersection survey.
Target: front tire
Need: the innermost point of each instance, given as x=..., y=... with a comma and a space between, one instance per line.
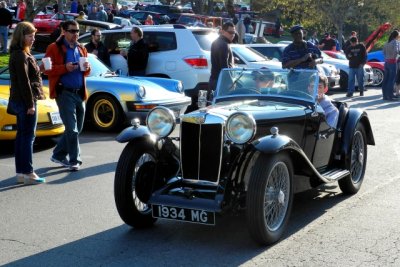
x=357, y=162
x=269, y=197
x=133, y=185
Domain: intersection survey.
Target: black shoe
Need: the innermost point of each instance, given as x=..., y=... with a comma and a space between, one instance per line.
x=349, y=94
x=395, y=96
x=361, y=93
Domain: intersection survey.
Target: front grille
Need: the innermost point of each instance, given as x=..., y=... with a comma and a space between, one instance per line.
x=201, y=148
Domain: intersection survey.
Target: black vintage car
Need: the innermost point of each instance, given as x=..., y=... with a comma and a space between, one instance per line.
x=250, y=149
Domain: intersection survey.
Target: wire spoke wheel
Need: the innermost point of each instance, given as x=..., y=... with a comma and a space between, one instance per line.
x=269, y=197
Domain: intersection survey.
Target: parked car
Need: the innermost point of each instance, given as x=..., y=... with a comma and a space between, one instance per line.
x=158, y=18
x=249, y=150
x=176, y=52
x=88, y=25
x=124, y=22
x=49, y=122
x=49, y=25
x=378, y=68
x=114, y=100
x=246, y=57
x=376, y=56
x=275, y=51
x=173, y=12
x=42, y=41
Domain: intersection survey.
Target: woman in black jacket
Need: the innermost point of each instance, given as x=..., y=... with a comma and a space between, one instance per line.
x=26, y=89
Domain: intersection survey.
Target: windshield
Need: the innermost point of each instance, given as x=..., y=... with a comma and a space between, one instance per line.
x=249, y=54
x=299, y=84
x=205, y=38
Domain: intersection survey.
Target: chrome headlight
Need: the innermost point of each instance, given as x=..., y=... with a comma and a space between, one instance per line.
x=141, y=92
x=240, y=127
x=161, y=121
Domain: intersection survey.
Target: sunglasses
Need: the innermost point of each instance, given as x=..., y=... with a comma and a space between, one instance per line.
x=98, y=35
x=72, y=31
x=231, y=32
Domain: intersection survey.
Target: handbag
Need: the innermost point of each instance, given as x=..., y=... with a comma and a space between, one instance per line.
x=10, y=110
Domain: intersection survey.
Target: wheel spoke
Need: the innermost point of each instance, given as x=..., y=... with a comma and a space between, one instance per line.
x=142, y=207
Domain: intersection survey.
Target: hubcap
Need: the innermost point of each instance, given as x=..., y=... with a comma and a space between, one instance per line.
x=276, y=198
x=104, y=113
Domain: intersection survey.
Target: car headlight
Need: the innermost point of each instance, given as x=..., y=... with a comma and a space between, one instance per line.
x=240, y=127
x=161, y=121
x=141, y=92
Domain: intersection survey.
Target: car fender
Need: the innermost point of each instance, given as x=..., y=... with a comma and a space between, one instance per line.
x=273, y=144
x=354, y=117
x=134, y=133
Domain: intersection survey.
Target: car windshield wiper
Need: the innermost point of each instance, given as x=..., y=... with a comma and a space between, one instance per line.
x=237, y=79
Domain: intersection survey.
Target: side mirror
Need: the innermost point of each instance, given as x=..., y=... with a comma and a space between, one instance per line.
x=119, y=72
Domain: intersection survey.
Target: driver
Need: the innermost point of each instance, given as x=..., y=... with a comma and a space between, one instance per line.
x=331, y=112
x=264, y=81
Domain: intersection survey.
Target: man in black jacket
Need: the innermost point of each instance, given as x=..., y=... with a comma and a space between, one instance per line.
x=5, y=23
x=138, y=53
x=97, y=47
x=357, y=55
x=221, y=53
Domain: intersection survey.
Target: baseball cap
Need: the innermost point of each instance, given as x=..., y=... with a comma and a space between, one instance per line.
x=296, y=28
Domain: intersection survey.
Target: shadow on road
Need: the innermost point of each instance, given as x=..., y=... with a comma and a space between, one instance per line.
x=171, y=243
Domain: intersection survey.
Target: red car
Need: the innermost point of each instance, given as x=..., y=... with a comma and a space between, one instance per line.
x=44, y=25
x=377, y=67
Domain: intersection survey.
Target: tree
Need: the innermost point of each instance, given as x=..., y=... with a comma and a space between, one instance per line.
x=33, y=7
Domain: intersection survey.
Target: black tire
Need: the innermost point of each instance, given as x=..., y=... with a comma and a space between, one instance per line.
x=356, y=162
x=378, y=74
x=105, y=113
x=344, y=80
x=133, y=185
x=272, y=177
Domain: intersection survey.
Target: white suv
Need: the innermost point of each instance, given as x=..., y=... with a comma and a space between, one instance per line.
x=176, y=52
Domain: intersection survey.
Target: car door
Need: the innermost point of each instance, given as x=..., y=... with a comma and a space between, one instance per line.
x=324, y=139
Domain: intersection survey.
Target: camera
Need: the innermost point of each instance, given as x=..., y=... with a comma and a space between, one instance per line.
x=313, y=56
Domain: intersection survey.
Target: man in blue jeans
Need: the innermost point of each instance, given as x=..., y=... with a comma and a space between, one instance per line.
x=357, y=56
x=5, y=23
x=67, y=85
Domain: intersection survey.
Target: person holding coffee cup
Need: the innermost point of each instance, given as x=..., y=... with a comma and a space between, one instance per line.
x=25, y=90
x=68, y=87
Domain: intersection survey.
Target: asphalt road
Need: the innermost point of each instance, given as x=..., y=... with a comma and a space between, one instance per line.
x=72, y=220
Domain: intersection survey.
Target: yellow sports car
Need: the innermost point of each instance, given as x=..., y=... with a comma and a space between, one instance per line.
x=49, y=121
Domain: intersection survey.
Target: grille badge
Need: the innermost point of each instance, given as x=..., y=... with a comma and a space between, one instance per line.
x=194, y=118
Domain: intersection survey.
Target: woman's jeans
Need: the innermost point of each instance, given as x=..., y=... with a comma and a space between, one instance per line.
x=389, y=79
x=26, y=127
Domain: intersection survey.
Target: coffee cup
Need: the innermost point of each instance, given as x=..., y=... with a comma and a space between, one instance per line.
x=82, y=61
x=47, y=63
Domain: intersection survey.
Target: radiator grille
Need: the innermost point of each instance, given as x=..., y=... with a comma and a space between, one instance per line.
x=201, y=148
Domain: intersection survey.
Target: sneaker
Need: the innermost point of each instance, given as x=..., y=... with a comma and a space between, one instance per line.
x=349, y=94
x=20, y=178
x=63, y=162
x=32, y=178
x=74, y=167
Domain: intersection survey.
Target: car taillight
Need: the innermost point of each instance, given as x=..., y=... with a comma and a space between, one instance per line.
x=199, y=62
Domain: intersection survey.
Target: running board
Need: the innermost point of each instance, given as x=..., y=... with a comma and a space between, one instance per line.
x=335, y=174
